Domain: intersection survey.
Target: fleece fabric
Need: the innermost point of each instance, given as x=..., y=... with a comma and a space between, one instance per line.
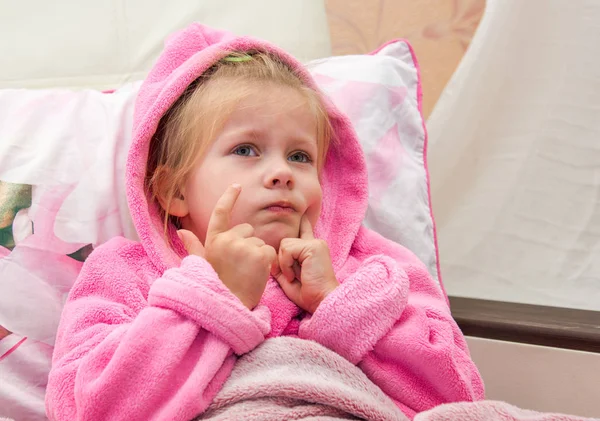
x=149, y=333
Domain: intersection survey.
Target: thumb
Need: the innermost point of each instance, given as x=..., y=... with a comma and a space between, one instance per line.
x=191, y=242
x=292, y=289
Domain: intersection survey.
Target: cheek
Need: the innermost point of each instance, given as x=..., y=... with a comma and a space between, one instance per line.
x=241, y=212
x=313, y=200
x=202, y=196
x=201, y=206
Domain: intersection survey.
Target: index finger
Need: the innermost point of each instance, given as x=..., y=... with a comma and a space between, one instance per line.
x=306, y=229
x=220, y=218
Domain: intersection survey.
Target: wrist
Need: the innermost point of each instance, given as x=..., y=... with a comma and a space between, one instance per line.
x=250, y=304
x=246, y=301
x=327, y=289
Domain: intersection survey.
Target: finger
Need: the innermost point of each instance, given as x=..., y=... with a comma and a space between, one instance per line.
x=271, y=260
x=270, y=256
x=292, y=289
x=306, y=229
x=221, y=214
x=243, y=230
x=191, y=242
x=255, y=241
x=275, y=269
x=297, y=270
x=285, y=264
x=289, y=252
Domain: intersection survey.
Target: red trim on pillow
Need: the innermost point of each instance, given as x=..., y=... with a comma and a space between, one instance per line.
x=13, y=349
x=420, y=106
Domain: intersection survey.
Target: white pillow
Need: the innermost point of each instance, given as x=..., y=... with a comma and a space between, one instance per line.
x=62, y=176
x=381, y=93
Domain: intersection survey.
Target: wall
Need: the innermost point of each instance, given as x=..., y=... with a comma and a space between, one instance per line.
x=539, y=378
x=439, y=31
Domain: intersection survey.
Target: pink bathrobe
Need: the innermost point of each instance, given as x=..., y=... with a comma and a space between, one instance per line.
x=149, y=333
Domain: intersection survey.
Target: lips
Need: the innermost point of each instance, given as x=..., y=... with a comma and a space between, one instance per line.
x=281, y=206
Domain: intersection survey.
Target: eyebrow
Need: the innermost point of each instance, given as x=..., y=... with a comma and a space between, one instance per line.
x=257, y=134
x=306, y=141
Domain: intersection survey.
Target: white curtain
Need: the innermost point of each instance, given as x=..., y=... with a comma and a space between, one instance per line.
x=514, y=156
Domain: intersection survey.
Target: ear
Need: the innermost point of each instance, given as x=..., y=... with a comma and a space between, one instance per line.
x=179, y=206
x=172, y=201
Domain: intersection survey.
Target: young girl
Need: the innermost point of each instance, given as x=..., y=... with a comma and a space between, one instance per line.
x=235, y=159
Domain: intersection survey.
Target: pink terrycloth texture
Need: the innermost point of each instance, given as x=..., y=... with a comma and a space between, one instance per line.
x=490, y=411
x=148, y=334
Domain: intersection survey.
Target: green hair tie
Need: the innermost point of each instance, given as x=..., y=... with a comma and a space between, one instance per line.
x=238, y=58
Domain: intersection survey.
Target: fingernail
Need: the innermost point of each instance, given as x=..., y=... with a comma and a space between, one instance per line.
x=236, y=186
x=180, y=235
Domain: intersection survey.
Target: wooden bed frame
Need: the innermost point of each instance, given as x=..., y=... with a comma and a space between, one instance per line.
x=526, y=323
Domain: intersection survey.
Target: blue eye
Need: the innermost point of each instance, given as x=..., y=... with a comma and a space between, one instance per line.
x=300, y=157
x=245, y=150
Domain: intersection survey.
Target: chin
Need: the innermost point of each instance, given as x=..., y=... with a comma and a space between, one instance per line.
x=274, y=236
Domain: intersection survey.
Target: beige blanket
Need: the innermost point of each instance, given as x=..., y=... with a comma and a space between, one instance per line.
x=293, y=379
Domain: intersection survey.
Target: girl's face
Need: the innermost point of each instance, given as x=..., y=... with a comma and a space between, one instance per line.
x=269, y=147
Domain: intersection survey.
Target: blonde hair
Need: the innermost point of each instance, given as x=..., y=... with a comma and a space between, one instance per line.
x=190, y=126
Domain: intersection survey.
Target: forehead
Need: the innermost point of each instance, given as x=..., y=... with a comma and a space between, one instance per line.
x=274, y=99
x=274, y=108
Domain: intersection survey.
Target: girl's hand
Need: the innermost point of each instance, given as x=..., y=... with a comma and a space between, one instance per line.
x=305, y=272
x=243, y=262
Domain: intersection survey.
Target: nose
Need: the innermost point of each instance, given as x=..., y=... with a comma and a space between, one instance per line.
x=279, y=175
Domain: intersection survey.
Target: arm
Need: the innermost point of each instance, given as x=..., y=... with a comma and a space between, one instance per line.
x=395, y=324
x=120, y=356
